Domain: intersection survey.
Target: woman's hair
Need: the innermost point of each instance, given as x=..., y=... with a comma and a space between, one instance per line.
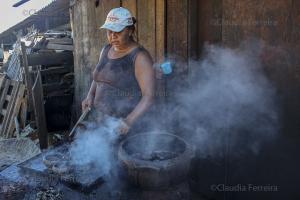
x=132, y=27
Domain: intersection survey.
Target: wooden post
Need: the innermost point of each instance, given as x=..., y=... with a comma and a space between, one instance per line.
x=27, y=79
x=39, y=110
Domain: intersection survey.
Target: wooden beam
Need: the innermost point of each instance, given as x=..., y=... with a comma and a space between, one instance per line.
x=27, y=78
x=146, y=21
x=177, y=34
x=55, y=70
x=4, y=92
x=193, y=34
x=131, y=5
x=68, y=41
x=160, y=34
x=39, y=110
x=10, y=108
x=60, y=47
x=50, y=58
x=15, y=110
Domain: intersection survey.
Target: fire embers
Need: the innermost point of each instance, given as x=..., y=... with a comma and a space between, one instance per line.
x=155, y=155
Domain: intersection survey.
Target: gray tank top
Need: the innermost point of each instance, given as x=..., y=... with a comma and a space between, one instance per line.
x=121, y=92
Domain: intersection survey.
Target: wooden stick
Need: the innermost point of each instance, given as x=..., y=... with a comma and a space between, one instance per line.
x=81, y=118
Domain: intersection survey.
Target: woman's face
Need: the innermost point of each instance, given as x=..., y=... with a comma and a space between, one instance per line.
x=119, y=39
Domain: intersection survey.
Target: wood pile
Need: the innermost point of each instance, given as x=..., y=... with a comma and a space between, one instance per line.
x=56, y=74
x=51, y=79
x=37, y=88
x=13, y=106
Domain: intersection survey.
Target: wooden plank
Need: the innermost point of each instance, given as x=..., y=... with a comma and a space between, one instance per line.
x=55, y=70
x=50, y=58
x=10, y=108
x=16, y=109
x=160, y=43
x=209, y=22
x=177, y=31
x=23, y=112
x=131, y=5
x=2, y=80
x=4, y=93
x=39, y=110
x=146, y=21
x=160, y=47
x=27, y=77
x=193, y=35
x=65, y=41
x=3, y=84
x=177, y=44
x=76, y=24
x=60, y=47
x=8, y=98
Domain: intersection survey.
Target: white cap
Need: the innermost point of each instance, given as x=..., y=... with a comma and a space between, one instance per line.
x=117, y=19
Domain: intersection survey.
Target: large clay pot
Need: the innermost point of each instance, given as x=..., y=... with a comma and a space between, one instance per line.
x=156, y=160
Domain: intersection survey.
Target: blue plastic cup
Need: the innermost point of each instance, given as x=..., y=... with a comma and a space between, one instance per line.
x=166, y=67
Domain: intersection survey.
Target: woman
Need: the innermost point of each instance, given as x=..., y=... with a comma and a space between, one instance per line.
x=123, y=80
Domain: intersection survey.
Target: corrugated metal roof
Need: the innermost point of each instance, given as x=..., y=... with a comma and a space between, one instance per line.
x=57, y=8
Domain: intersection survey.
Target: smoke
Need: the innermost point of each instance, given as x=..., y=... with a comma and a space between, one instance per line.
x=229, y=103
x=95, y=145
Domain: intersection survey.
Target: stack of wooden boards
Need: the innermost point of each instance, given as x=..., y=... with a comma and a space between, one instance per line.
x=13, y=106
x=37, y=88
x=60, y=44
x=56, y=74
x=50, y=77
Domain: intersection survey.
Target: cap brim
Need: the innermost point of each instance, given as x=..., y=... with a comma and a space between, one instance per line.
x=113, y=27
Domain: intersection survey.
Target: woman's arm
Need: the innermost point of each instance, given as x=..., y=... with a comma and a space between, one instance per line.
x=89, y=100
x=145, y=76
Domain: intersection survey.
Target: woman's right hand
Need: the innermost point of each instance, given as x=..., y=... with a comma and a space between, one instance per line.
x=87, y=103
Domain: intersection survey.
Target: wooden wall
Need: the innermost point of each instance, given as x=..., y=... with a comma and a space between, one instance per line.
x=277, y=25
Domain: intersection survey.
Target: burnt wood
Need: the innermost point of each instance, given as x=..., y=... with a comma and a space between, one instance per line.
x=49, y=58
x=39, y=110
x=60, y=47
